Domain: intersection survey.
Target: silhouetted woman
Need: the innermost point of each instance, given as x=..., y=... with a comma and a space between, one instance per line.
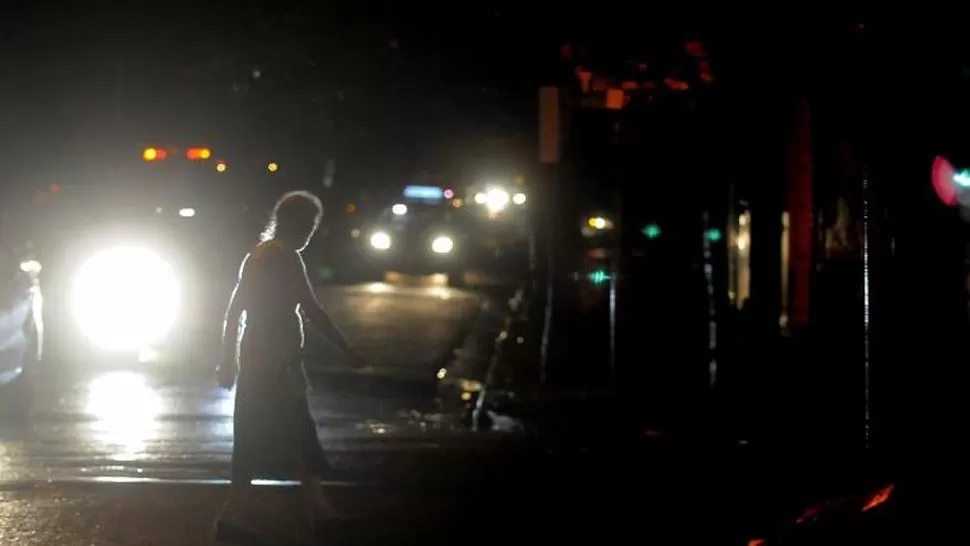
x=274, y=434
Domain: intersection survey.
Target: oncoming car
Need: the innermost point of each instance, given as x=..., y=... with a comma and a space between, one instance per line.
x=137, y=269
x=146, y=286
x=417, y=236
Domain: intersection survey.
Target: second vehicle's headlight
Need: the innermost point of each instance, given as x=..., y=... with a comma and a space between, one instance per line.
x=126, y=298
x=380, y=240
x=497, y=200
x=442, y=244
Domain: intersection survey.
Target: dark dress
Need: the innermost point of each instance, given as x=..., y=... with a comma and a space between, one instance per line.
x=272, y=426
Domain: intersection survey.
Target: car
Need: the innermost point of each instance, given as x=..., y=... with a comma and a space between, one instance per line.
x=21, y=316
x=503, y=219
x=420, y=236
x=138, y=268
x=140, y=282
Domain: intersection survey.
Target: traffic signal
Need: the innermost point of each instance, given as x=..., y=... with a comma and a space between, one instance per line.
x=713, y=235
x=598, y=277
x=651, y=231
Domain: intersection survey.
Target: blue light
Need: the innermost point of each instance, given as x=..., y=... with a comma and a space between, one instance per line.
x=431, y=193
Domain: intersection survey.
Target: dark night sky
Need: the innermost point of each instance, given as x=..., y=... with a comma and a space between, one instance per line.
x=388, y=97
x=389, y=94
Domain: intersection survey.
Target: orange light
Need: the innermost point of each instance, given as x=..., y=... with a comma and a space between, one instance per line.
x=350, y=208
x=880, y=497
x=151, y=154
x=272, y=167
x=615, y=99
x=221, y=166
x=196, y=154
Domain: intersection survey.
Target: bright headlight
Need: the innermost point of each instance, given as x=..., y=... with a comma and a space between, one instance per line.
x=380, y=240
x=497, y=199
x=442, y=244
x=126, y=298
x=30, y=266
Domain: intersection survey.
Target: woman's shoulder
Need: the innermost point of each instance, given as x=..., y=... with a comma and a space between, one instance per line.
x=273, y=251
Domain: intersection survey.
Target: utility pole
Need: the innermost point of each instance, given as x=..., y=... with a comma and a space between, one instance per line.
x=546, y=233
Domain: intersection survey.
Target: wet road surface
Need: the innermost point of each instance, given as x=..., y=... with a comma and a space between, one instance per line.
x=172, y=422
x=105, y=456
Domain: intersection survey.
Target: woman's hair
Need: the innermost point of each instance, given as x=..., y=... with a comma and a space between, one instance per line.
x=295, y=218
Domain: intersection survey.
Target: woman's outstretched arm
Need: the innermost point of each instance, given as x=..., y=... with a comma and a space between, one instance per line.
x=237, y=304
x=230, y=326
x=311, y=307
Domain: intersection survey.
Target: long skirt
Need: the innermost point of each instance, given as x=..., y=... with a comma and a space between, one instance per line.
x=274, y=433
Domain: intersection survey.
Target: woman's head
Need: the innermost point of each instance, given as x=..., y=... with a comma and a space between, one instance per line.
x=295, y=219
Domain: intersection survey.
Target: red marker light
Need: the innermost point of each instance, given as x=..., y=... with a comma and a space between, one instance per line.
x=196, y=154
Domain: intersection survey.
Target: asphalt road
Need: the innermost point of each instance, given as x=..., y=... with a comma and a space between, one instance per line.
x=171, y=422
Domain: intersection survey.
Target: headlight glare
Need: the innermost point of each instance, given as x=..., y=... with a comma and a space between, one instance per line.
x=497, y=199
x=380, y=240
x=32, y=267
x=442, y=244
x=126, y=298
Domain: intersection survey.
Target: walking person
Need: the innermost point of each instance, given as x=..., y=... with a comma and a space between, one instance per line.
x=274, y=433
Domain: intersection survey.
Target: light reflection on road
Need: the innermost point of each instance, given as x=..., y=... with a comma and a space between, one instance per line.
x=222, y=409
x=126, y=410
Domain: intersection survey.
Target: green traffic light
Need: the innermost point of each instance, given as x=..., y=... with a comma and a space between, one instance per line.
x=598, y=277
x=651, y=231
x=713, y=235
